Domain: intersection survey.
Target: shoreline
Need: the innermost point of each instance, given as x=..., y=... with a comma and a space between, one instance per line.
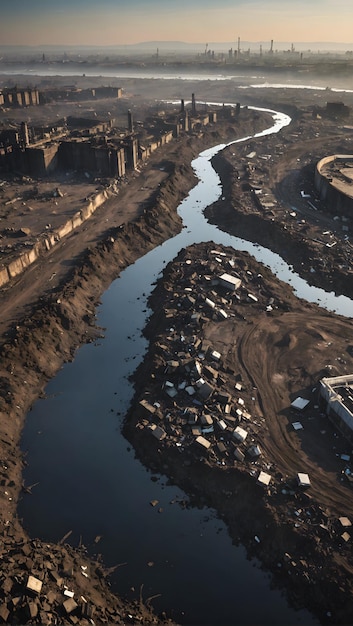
x=67, y=319
x=57, y=325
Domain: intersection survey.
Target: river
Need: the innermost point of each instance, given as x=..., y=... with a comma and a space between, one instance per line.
x=239, y=78
x=90, y=481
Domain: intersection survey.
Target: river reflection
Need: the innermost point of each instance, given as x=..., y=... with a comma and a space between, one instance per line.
x=91, y=483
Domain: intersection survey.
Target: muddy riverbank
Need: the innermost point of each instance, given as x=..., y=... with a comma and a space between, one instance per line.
x=42, y=326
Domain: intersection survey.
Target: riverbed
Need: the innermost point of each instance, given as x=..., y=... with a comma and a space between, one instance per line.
x=90, y=481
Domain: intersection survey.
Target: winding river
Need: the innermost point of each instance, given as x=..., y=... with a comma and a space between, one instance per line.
x=90, y=481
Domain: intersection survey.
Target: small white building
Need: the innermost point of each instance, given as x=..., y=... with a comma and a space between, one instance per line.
x=300, y=403
x=303, y=480
x=229, y=282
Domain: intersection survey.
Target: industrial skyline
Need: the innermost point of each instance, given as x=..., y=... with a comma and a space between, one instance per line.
x=117, y=22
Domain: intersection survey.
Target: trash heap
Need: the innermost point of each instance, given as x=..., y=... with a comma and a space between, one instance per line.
x=194, y=402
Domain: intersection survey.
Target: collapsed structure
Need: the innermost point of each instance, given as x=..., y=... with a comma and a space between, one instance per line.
x=97, y=147
x=16, y=97
x=194, y=404
x=336, y=399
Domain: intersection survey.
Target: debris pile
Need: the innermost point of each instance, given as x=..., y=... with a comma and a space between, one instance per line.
x=196, y=404
x=199, y=417
x=56, y=584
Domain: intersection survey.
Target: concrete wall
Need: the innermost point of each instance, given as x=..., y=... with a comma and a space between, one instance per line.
x=20, y=97
x=18, y=265
x=338, y=203
x=41, y=161
x=337, y=412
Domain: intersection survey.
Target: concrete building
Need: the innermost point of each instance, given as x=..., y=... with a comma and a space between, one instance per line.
x=130, y=121
x=337, y=109
x=42, y=160
x=19, y=97
x=75, y=94
x=90, y=145
x=334, y=183
x=336, y=399
x=105, y=159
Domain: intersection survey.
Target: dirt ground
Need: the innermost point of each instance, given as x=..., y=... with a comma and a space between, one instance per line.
x=275, y=355
x=50, y=310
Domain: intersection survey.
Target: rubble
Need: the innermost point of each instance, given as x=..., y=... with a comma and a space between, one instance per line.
x=219, y=439
x=203, y=411
x=42, y=583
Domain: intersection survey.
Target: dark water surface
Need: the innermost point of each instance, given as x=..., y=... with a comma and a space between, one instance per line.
x=91, y=483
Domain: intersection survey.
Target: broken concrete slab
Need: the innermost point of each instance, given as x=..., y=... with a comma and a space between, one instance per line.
x=70, y=605
x=34, y=584
x=264, y=479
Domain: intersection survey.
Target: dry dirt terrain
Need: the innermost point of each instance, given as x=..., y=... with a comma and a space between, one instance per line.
x=49, y=311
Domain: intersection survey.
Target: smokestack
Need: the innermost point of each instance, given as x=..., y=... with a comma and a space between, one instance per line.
x=130, y=121
x=193, y=104
x=24, y=134
x=182, y=106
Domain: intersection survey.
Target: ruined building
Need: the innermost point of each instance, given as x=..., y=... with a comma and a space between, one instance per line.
x=19, y=97
x=93, y=146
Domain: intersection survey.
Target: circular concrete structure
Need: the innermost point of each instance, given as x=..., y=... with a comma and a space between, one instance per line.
x=334, y=183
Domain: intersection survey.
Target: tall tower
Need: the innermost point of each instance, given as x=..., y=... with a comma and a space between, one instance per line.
x=238, y=47
x=130, y=121
x=271, y=49
x=24, y=134
x=185, y=122
x=193, y=104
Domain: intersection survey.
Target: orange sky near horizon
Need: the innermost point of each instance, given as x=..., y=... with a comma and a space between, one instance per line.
x=106, y=23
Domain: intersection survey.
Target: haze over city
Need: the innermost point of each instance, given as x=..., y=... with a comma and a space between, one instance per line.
x=118, y=22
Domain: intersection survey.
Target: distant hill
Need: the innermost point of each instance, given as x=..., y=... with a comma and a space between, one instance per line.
x=183, y=47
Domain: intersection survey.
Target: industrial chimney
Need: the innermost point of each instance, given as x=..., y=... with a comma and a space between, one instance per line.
x=130, y=121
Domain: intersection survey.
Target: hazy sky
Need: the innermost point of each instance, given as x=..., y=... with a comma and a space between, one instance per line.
x=100, y=22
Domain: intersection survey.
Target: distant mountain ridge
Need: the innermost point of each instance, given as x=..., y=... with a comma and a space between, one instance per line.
x=182, y=46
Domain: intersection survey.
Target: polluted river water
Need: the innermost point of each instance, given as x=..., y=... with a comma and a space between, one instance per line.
x=90, y=482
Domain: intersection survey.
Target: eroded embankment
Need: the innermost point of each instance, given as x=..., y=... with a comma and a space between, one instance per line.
x=36, y=350
x=299, y=244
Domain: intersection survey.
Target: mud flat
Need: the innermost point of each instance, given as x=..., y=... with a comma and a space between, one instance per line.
x=213, y=410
